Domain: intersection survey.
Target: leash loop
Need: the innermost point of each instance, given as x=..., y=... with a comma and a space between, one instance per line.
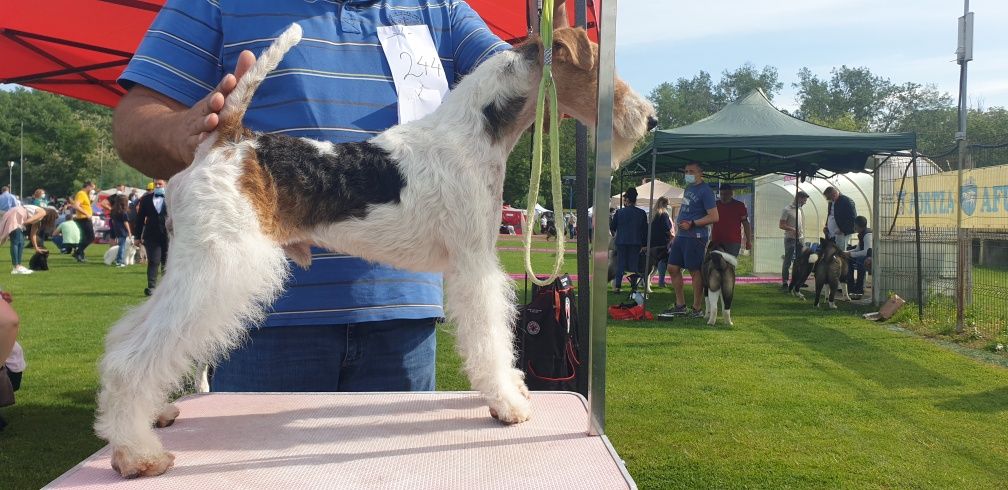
x=547, y=93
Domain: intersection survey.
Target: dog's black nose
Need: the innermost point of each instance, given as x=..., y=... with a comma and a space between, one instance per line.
x=652, y=122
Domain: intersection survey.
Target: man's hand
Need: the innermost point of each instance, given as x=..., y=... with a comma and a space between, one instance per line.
x=202, y=118
x=685, y=225
x=157, y=135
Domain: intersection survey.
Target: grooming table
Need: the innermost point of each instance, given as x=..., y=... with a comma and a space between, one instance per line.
x=371, y=440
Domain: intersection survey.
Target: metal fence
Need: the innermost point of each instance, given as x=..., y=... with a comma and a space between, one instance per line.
x=953, y=228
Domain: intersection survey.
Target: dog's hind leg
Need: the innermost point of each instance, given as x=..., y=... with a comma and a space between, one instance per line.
x=727, y=294
x=713, y=298
x=198, y=312
x=480, y=301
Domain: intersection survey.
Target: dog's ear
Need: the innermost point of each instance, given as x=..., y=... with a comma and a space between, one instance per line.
x=560, y=15
x=573, y=46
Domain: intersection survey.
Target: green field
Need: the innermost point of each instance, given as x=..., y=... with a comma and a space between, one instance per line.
x=790, y=397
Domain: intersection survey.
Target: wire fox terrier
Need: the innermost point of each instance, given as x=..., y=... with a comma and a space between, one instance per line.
x=350, y=198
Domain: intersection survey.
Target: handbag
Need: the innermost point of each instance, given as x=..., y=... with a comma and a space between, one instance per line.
x=6, y=388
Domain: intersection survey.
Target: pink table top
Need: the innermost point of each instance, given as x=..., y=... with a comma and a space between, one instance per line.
x=370, y=440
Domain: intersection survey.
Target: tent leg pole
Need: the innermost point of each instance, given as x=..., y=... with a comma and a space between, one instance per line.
x=917, y=239
x=647, y=245
x=584, y=224
x=600, y=244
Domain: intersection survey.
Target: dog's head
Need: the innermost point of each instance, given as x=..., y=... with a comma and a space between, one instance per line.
x=828, y=247
x=575, y=73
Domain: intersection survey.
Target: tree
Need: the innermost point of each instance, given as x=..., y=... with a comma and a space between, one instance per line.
x=66, y=142
x=685, y=101
x=737, y=84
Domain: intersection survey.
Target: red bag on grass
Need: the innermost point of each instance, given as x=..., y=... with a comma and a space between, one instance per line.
x=635, y=312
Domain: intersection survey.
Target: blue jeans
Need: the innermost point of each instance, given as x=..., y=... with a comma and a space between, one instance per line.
x=121, y=256
x=856, y=285
x=394, y=355
x=17, y=245
x=662, y=268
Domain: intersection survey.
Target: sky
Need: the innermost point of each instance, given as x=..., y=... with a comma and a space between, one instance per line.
x=902, y=40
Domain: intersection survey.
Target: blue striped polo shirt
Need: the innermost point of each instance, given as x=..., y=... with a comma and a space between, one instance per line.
x=334, y=86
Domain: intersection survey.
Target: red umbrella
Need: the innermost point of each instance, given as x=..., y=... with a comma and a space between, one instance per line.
x=78, y=48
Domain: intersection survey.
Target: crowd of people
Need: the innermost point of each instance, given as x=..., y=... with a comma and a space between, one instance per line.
x=71, y=224
x=705, y=221
x=842, y=222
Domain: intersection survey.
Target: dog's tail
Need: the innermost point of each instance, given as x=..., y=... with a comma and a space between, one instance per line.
x=727, y=257
x=238, y=101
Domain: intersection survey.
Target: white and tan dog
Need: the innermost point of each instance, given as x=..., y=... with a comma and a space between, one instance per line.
x=129, y=258
x=349, y=198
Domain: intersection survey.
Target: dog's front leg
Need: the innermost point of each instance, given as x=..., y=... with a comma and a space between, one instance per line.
x=480, y=300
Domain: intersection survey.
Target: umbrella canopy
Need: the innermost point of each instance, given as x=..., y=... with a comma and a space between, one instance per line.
x=78, y=48
x=752, y=137
x=661, y=189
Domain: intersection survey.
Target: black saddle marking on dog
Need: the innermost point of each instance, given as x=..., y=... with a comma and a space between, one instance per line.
x=500, y=115
x=329, y=187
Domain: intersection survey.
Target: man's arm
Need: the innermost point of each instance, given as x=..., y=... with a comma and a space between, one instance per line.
x=141, y=221
x=711, y=218
x=867, y=247
x=157, y=135
x=747, y=232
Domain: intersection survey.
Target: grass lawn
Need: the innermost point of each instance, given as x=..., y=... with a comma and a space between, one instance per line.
x=788, y=397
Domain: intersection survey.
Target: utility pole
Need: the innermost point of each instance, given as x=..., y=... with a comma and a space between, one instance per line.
x=964, y=262
x=21, y=185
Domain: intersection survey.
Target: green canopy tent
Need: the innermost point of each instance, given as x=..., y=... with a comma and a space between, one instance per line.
x=751, y=137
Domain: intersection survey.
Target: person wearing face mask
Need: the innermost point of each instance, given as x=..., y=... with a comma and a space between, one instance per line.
x=39, y=198
x=150, y=231
x=697, y=212
x=82, y=204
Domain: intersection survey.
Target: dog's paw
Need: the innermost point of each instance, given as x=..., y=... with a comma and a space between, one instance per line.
x=129, y=466
x=167, y=416
x=832, y=305
x=514, y=404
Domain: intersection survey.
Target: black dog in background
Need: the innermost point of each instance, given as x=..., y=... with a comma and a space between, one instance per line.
x=39, y=261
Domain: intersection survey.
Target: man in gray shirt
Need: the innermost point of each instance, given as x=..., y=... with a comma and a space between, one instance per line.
x=792, y=221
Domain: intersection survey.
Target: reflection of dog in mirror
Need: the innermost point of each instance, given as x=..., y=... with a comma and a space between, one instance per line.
x=718, y=275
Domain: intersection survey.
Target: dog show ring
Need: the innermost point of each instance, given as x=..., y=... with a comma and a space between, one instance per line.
x=370, y=440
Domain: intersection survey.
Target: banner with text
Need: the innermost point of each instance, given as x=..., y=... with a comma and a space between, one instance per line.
x=983, y=199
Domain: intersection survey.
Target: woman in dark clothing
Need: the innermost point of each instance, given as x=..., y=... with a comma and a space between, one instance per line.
x=661, y=236
x=629, y=227
x=119, y=226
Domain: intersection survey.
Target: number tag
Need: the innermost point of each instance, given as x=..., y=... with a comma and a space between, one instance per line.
x=419, y=78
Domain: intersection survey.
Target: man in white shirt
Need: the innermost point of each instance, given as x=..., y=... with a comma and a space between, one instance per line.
x=792, y=221
x=859, y=258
